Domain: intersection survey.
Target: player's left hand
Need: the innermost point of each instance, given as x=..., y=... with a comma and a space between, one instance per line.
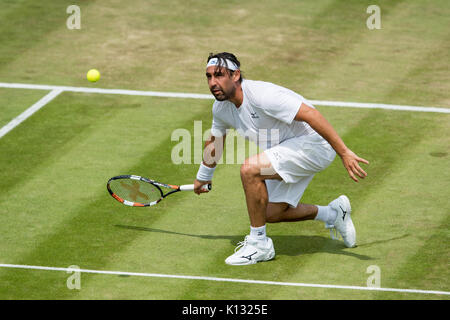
x=198, y=186
x=351, y=163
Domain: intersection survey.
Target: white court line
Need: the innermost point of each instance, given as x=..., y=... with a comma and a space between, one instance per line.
x=277, y=283
x=378, y=106
x=208, y=96
x=29, y=112
x=106, y=91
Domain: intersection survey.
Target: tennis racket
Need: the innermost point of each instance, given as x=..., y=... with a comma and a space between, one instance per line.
x=137, y=191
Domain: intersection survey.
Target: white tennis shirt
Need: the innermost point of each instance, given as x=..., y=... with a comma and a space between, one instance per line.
x=266, y=115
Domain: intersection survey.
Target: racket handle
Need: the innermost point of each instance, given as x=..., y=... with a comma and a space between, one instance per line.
x=190, y=187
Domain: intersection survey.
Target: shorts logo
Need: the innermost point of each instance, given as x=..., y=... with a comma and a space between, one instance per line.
x=276, y=155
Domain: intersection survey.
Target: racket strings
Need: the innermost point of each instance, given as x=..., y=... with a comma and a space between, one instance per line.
x=135, y=190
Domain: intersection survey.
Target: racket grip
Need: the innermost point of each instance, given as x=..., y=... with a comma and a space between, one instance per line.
x=190, y=187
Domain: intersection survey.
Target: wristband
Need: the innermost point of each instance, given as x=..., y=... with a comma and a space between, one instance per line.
x=205, y=173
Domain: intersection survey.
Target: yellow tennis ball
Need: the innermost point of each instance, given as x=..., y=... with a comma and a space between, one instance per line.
x=93, y=75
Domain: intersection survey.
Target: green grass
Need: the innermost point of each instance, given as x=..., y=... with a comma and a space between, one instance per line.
x=13, y=102
x=54, y=207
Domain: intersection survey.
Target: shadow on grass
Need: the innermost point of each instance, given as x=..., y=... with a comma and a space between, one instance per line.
x=368, y=244
x=290, y=245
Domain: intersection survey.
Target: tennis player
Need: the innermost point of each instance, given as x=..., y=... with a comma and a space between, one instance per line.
x=298, y=142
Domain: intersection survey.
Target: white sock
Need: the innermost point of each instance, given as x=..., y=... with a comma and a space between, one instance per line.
x=326, y=214
x=258, y=233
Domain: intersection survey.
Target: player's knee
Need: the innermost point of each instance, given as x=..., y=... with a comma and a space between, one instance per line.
x=248, y=170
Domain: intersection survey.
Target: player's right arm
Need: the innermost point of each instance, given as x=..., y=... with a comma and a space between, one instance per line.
x=211, y=154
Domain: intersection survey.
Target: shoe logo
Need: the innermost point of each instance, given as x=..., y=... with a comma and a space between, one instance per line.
x=345, y=212
x=249, y=257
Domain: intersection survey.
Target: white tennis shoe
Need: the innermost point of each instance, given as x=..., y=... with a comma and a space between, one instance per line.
x=251, y=251
x=343, y=224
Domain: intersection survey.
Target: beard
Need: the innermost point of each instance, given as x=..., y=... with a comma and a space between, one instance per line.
x=220, y=96
x=223, y=95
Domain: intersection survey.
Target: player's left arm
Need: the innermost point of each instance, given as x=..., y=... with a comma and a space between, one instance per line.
x=318, y=122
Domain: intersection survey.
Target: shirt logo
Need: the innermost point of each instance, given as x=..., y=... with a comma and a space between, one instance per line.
x=254, y=115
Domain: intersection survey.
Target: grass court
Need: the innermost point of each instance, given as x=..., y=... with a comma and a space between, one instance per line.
x=54, y=207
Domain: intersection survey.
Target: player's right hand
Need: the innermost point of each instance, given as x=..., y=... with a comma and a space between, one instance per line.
x=198, y=186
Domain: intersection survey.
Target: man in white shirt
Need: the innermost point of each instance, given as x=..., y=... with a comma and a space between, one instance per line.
x=297, y=141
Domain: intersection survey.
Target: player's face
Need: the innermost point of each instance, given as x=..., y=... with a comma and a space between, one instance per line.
x=220, y=82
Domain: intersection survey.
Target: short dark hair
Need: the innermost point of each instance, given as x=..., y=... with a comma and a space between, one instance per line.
x=222, y=56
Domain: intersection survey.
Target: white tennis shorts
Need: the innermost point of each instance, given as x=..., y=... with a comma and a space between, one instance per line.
x=297, y=160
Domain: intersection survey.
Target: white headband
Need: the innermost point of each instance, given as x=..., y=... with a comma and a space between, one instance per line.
x=228, y=64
